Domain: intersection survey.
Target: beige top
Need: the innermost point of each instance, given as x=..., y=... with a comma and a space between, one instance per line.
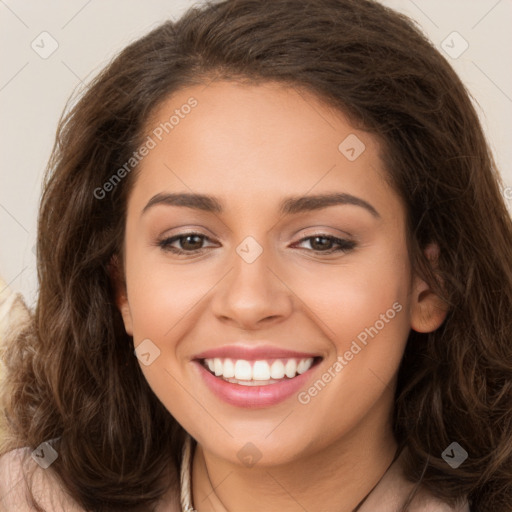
x=387, y=496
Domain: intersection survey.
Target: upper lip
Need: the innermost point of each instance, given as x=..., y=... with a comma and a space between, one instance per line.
x=253, y=353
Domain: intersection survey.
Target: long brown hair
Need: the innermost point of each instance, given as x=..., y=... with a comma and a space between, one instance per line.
x=72, y=374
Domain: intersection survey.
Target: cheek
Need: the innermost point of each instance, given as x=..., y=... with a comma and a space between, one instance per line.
x=161, y=294
x=160, y=299
x=348, y=298
x=363, y=312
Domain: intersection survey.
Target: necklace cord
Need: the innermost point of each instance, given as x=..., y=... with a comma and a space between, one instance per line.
x=186, y=470
x=395, y=457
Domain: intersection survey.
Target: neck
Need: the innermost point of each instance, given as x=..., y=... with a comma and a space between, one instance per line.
x=337, y=477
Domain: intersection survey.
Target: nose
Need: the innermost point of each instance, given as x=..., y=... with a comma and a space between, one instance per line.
x=252, y=294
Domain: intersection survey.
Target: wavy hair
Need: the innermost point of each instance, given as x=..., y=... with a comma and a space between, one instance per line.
x=71, y=374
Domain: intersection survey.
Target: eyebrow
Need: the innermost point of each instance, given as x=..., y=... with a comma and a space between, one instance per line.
x=288, y=206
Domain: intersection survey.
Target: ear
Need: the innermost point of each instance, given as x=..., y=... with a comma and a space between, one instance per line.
x=116, y=273
x=428, y=310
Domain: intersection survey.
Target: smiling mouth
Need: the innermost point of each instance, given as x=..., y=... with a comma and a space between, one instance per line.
x=262, y=372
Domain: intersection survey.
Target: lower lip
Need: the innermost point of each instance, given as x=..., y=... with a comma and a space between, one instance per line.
x=253, y=396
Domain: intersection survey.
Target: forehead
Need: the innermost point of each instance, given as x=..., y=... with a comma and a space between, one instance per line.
x=241, y=141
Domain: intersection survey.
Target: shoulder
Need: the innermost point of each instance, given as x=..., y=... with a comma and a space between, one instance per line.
x=12, y=481
x=426, y=502
x=394, y=490
x=17, y=471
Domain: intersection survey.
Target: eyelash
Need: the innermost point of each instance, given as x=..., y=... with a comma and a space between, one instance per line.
x=344, y=245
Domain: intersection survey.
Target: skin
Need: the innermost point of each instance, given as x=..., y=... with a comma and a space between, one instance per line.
x=251, y=146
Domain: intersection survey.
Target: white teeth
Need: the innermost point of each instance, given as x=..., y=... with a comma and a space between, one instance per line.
x=255, y=372
x=252, y=382
x=243, y=370
x=303, y=366
x=229, y=369
x=260, y=371
x=217, y=366
x=277, y=369
x=291, y=368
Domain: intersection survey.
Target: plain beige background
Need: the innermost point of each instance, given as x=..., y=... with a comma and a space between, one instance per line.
x=85, y=34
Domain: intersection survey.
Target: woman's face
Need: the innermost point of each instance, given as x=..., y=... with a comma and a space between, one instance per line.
x=294, y=282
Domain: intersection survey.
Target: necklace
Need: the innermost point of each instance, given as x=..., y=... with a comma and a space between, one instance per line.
x=186, y=497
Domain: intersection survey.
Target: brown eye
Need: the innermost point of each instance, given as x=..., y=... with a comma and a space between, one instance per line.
x=319, y=243
x=324, y=244
x=188, y=243
x=191, y=242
